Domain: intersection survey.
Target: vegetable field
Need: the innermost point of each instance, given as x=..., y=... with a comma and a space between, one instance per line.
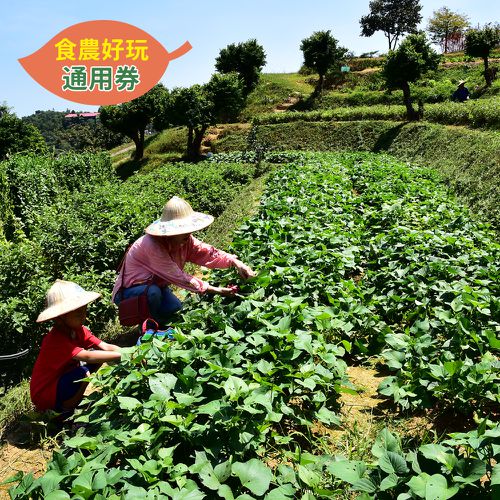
x=359, y=257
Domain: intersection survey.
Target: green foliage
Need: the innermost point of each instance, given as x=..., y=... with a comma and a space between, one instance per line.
x=445, y=26
x=480, y=43
x=484, y=113
x=413, y=58
x=393, y=17
x=18, y=136
x=13, y=404
x=321, y=54
x=247, y=376
x=200, y=106
x=462, y=464
x=34, y=181
x=226, y=94
x=75, y=134
x=131, y=118
x=469, y=160
x=245, y=58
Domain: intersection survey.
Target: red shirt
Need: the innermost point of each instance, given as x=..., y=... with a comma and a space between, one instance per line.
x=56, y=359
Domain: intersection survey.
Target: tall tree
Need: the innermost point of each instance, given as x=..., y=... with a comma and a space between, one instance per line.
x=200, y=106
x=445, y=26
x=17, y=136
x=413, y=58
x=321, y=53
x=245, y=58
x=480, y=43
x=393, y=17
x=131, y=118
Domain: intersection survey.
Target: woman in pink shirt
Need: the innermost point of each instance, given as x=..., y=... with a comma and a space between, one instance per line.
x=157, y=259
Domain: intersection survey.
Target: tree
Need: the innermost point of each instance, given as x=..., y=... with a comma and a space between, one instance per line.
x=62, y=134
x=131, y=118
x=445, y=26
x=321, y=53
x=17, y=136
x=393, y=17
x=413, y=58
x=479, y=43
x=201, y=106
x=246, y=58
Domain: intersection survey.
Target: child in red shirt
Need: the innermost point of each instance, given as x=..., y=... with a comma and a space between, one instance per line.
x=65, y=356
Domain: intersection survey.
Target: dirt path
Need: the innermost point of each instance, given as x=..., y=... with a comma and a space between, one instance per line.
x=124, y=150
x=286, y=104
x=14, y=458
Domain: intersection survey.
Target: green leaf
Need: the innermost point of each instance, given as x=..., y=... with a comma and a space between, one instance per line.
x=127, y=403
x=327, y=416
x=392, y=463
x=308, y=476
x=225, y=492
x=82, y=442
x=284, y=492
x=436, y=488
x=418, y=483
x=235, y=386
x=254, y=475
x=389, y=482
x=440, y=454
x=50, y=481
x=100, y=481
x=495, y=475
x=365, y=485
x=82, y=484
x=385, y=442
x=57, y=495
x=161, y=384
x=349, y=471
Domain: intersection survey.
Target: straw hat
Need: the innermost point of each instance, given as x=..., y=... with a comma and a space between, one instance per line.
x=63, y=297
x=461, y=82
x=178, y=218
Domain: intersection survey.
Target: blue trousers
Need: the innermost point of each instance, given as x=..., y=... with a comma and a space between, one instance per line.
x=162, y=302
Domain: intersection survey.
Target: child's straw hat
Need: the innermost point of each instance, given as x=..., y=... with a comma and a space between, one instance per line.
x=63, y=297
x=178, y=218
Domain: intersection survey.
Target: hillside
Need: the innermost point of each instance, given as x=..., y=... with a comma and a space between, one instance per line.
x=367, y=336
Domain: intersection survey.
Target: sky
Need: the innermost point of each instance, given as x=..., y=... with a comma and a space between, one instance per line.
x=278, y=25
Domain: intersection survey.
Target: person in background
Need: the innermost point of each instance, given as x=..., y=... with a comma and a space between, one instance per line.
x=157, y=259
x=69, y=352
x=462, y=93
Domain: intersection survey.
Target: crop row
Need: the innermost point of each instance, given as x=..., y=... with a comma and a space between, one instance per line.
x=353, y=251
x=475, y=113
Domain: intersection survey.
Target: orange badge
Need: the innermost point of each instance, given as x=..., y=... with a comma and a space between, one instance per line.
x=100, y=62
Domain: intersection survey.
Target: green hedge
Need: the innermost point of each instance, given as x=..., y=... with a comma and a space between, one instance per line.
x=484, y=113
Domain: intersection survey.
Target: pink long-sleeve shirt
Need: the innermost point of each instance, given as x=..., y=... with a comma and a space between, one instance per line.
x=149, y=260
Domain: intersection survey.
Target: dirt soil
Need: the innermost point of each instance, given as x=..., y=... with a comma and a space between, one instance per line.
x=288, y=103
x=364, y=414
x=14, y=457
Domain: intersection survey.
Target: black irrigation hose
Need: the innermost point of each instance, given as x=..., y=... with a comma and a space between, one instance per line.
x=14, y=356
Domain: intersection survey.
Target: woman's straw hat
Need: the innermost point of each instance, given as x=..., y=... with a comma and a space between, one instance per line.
x=63, y=297
x=178, y=218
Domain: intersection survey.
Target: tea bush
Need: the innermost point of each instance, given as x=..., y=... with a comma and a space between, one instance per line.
x=484, y=113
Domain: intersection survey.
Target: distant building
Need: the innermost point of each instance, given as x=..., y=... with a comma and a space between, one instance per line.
x=80, y=117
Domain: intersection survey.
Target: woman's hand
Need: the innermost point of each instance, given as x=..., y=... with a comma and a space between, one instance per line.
x=221, y=290
x=243, y=270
